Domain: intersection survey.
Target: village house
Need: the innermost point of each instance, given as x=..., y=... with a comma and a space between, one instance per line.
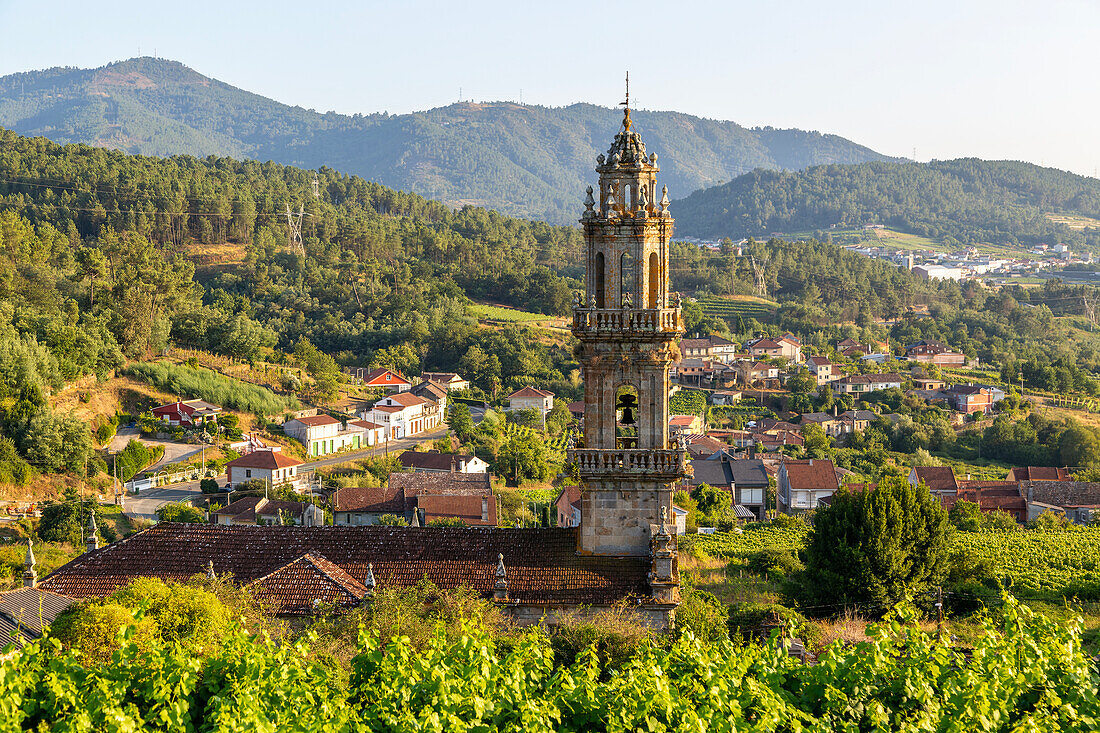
x=404, y=414
x=753, y=372
x=990, y=496
x=744, y=479
x=705, y=446
x=448, y=380
x=324, y=435
x=970, y=398
x=387, y=379
x=188, y=412
x=530, y=398
x=419, y=498
x=1039, y=473
x=763, y=346
x=435, y=462
x=866, y=383
x=824, y=371
x=938, y=479
x=268, y=465
x=934, y=352
x=725, y=397
x=433, y=392
x=929, y=384
x=259, y=510
x=802, y=484
x=699, y=348
x=568, y=506
x=678, y=424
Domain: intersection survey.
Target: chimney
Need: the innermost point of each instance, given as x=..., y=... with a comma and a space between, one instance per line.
x=30, y=575
x=811, y=461
x=415, y=518
x=92, y=541
x=485, y=509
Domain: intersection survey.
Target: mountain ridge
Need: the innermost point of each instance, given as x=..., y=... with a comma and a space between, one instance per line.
x=524, y=160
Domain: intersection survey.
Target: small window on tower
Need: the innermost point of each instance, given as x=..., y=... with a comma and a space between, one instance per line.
x=654, y=280
x=599, y=281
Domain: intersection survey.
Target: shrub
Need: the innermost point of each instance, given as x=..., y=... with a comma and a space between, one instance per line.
x=92, y=628
x=392, y=520
x=180, y=512
x=209, y=486
x=774, y=561
x=702, y=614
x=786, y=521
x=616, y=634
x=748, y=621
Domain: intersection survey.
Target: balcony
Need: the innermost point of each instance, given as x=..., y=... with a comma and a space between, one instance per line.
x=626, y=322
x=667, y=464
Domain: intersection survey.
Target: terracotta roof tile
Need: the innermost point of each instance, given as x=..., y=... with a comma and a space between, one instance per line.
x=543, y=564
x=812, y=474
x=267, y=459
x=530, y=391
x=383, y=500
x=314, y=420
x=296, y=588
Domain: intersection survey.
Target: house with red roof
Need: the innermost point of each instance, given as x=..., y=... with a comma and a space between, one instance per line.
x=568, y=506
x=259, y=510
x=530, y=398
x=938, y=479
x=387, y=379
x=419, y=498
x=271, y=466
x=404, y=414
x=324, y=435
x=802, y=484
x=187, y=412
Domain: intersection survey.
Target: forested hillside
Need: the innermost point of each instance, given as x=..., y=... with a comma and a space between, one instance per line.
x=962, y=201
x=522, y=160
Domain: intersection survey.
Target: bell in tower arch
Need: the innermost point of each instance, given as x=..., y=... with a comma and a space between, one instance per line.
x=627, y=406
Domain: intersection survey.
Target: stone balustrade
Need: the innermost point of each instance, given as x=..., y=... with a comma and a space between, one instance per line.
x=626, y=321
x=595, y=462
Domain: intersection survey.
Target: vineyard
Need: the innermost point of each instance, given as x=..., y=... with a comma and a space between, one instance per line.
x=1026, y=673
x=499, y=313
x=1030, y=563
x=726, y=308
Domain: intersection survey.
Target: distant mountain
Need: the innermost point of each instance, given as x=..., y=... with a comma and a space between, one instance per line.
x=522, y=160
x=966, y=201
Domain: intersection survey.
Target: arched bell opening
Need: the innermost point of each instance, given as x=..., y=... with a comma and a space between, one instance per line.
x=654, y=290
x=600, y=284
x=627, y=415
x=627, y=280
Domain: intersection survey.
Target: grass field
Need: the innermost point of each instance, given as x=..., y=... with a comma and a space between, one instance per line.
x=1074, y=221
x=483, y=311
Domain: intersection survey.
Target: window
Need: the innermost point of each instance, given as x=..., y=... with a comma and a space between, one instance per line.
x=248, y=473
x=599, y=281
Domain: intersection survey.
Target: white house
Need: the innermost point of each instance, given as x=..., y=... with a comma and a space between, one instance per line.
x=324, y=434
x=271, y=466
x=448, y=380
x=802, y=484
x=404, y=414
x=530, y=398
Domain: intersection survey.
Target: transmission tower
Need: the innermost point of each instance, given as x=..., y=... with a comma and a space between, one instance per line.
x=761, y=283
x=1089, y=302
x=316, y=187
x=294, y=228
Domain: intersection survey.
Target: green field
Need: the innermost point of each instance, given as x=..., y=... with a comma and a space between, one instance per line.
x=485, y=312
x=745, y=306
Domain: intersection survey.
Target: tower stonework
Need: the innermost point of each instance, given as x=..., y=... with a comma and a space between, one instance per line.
x=627, y=324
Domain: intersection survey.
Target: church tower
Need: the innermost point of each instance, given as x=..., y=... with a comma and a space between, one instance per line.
x=627, y=325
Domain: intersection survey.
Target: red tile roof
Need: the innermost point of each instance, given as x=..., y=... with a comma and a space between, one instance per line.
x=1039, y=473
x=418, y=483
x=267, y=459
x=315, y=420
x=432, y=460
x=543, y=564
x=466, y=507
x=816, y=474
x=374, y=377
x=367, y=424
x=408, y=399
x=530, y=391
x=297, y=587
x=378, y=500
x=937, y=478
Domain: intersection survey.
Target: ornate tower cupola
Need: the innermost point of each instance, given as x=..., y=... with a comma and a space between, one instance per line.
x=627, y=324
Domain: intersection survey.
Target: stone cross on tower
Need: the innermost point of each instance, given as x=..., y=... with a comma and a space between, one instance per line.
x=627, y=326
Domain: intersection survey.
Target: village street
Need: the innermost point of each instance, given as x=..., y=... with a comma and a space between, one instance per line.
x=146, y=504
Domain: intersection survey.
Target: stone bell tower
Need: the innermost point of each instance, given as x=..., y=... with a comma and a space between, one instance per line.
x=627, y=325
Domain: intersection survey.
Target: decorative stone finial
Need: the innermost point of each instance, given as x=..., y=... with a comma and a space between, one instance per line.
x=416, y=518
x=664, y=200
x=369, y=580
x=664, y=516
x=30, y=575
x=589, y=204
x=611, y=203
x=210, y=575
x=500, y=589
x=600, y=159
x=643, y=204
x=279, y=519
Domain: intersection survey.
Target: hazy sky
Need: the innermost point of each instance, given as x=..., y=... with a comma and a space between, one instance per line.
x=1002, y=79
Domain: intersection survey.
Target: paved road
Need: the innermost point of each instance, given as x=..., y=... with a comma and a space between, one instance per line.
x=173, y=451
x=146, y=504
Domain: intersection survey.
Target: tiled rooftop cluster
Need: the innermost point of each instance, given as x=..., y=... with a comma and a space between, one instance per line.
x=290, y=567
